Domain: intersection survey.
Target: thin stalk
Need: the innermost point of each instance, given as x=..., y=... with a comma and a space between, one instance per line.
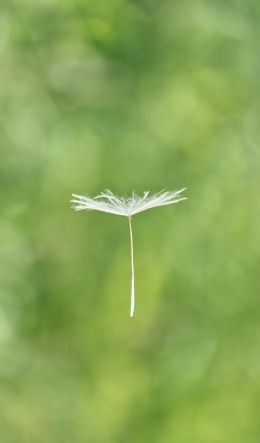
x=132, y=304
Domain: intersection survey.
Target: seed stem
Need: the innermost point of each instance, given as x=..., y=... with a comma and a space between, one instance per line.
x=132, y=304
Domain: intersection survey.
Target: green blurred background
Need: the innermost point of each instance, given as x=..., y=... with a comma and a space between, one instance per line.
x=129, y=95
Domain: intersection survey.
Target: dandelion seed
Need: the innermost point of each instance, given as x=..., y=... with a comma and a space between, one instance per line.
x=127, y=207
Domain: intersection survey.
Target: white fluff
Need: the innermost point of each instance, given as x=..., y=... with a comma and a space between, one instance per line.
x=127, y=207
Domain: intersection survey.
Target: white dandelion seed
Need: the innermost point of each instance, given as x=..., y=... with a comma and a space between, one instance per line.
x=127, y=207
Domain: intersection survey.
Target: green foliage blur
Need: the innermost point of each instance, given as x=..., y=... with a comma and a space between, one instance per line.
x=129, y=95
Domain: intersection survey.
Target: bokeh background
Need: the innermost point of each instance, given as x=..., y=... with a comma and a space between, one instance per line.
x=129, y=95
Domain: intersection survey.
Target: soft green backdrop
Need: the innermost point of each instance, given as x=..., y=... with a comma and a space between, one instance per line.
x=127, y=95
